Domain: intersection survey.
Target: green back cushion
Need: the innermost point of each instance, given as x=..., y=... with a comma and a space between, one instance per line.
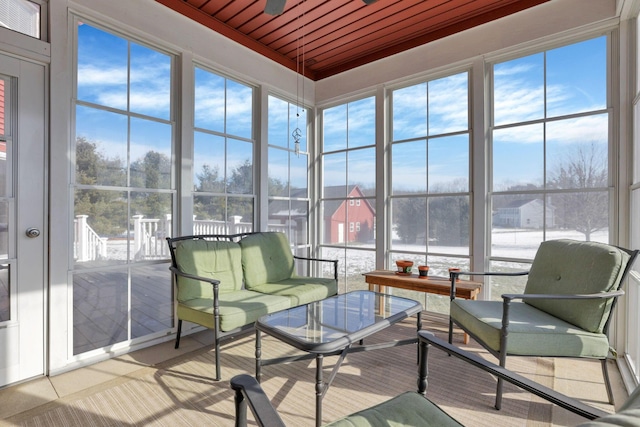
x=210, y=259
x=266, y=258
x=573, y=267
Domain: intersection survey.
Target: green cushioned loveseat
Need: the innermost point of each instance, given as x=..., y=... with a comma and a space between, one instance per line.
x=226, y=282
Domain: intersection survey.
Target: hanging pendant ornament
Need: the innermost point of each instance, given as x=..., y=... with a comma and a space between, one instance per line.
x=296, y=134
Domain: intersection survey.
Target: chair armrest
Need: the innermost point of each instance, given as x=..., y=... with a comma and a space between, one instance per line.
x=524, y=383
x=453, y=275
x=599, y=295
x=177, y=272
x=334, y=261
x=487, y=273
x=249, y=390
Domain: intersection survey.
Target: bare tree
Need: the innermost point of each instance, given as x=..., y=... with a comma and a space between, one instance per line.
x=586, y=209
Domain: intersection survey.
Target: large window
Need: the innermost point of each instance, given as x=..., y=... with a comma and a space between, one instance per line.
x=348, y=190
x=123, y=190
x=550, y=151
x=223, y=200
x=430, y=152
x=288, y=159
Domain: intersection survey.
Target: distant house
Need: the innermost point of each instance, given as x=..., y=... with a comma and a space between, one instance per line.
x=524, y=214
x=350, y=220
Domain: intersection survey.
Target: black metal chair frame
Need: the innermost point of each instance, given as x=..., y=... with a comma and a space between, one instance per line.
x=248, y=391
x=508, y=298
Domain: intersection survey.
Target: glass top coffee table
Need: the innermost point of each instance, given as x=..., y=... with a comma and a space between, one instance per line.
x=334, y=326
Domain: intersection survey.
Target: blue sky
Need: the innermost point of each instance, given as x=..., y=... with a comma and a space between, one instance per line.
x=568, y=80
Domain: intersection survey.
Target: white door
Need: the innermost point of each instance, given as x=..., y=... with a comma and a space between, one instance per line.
x=22, y=220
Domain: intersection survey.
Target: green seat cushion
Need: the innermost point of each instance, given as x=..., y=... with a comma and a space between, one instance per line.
x=531, y=331
x=573, y=267
x=237, y=309
x=219, y=260
x=301, y=290
x=266, y=258
x=407, y=409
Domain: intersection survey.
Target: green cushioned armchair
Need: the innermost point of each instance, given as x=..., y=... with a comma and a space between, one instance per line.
x=414, y=409
x=572, y=288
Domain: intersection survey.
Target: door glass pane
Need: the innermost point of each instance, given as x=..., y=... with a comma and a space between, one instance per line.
x=99, y=309
x=5, y=293
x=4, y=229
x=151, y=300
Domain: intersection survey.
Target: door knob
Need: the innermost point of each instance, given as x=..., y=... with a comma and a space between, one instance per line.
x=32, y=232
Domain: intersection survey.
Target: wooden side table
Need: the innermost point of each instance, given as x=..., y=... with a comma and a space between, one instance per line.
x=438, y=285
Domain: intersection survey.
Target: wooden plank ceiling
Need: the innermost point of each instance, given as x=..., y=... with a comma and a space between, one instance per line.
x=326, y=37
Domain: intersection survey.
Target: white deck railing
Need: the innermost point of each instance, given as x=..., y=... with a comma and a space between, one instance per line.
x=149, y=236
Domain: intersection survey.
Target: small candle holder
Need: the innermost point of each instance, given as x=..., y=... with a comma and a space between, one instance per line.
x=423, y=271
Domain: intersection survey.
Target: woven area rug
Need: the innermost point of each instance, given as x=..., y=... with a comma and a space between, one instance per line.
x=181, y=392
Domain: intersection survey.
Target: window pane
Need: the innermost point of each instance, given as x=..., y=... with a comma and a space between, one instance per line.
x=209, y=101
x=518, y=157
x=579, y=215
x=577, y=153
x=279, y=122
x=410, y=112
x=577, y=78
x=448, y=104
x=335, y=174
x=409, y=167
x=278, y=172
x=409, y=223
x=102, y=68
x=239, y=167
x=150, y=154
x=299, y=177
x=334, y=128
x=101, y=147
x=334, y=214
x=209, y=212
x=361, y=219
x=240, y=210
x=151, y=300
x=517, y=225
x=449, y=225
x=22, y=16
x=208, y=162
x=239, y=110
x=150, y=82
x=518, y=90
x=448, y=164
x=362, y=168
x=362, y=122
x=507, y=284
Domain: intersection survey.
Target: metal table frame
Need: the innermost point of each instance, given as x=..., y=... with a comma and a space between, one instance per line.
x=341, y=338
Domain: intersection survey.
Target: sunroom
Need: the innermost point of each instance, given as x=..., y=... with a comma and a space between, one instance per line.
x=127, y=122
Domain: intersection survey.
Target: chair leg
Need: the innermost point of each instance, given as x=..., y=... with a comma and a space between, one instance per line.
x=607, y=383
x=503, y=362
x=178, y=334
x=217, y=346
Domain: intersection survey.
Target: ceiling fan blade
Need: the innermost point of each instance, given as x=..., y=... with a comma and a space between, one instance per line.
x=274, y=7
x=369, y=1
